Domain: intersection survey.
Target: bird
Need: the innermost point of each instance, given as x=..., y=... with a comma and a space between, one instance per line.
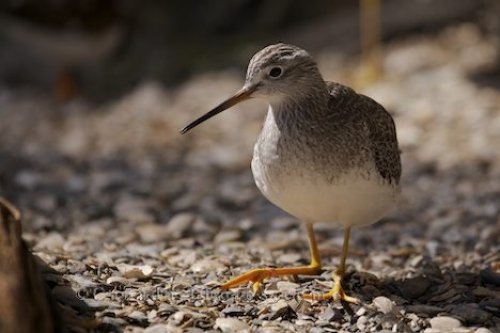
x=325, y=154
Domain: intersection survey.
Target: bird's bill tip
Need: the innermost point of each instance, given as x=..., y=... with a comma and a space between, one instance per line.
x=240, y=96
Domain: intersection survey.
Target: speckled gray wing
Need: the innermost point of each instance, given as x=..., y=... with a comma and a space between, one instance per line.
x=383, y=142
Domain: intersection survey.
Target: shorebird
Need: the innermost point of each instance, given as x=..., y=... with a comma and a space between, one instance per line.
x=325, y=154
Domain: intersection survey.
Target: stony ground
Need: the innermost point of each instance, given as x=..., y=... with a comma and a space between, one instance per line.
x=136, y=225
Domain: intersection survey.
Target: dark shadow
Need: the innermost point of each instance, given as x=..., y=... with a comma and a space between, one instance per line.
x=489, y=77
x=471, y=297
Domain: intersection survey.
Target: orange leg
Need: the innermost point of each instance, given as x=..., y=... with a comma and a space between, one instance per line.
x=257, y=276
x=337, y=292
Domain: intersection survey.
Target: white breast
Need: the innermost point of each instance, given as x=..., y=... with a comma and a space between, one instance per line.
x=353, y=200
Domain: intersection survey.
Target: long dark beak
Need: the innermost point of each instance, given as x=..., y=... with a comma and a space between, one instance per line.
x=242, y=95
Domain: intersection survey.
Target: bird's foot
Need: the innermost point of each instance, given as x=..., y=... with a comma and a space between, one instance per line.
x=258, y=275
x=337, y=292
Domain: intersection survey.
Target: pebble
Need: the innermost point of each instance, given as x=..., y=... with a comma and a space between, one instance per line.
x=117, y=280
x=289, y=258
x=151, y=233
x=179, y=224
x=230, y=325
x=52, y=242
x=491, y=277
x=138, y=317
x=287, y=287
x=383, y=304
x=423, y=309
x=207, y=265
x=414, y=287
x=135, y=272
x=471, y=313
x=446, y=324
x=361, y=311
x=361, y=323
x=328, y=314
x=157, y=328
x=227, y=236
x=482, y=330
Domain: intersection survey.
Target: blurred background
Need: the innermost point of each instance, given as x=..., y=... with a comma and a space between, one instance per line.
x=93, y=94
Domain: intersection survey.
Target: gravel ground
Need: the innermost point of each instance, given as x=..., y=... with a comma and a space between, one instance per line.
x=136, y=225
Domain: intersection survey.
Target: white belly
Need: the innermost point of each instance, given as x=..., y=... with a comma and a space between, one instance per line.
x=352, y=200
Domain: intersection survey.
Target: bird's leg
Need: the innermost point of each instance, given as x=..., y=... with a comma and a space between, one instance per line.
x=337, y=292
x=257, y=276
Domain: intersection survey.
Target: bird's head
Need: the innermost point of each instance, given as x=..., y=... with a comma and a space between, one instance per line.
x=276, y=73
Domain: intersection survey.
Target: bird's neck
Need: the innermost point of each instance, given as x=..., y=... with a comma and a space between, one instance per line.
x=305, y=104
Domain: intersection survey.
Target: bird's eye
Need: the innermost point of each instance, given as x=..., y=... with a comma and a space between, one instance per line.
x=275, y=72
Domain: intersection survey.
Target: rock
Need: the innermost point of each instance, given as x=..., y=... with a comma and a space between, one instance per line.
x=383, y=304
x=135, y=272
x=445, y=324
x=158, y=328
x=361, y=323
x=233, y=311
x=207, y=265
x=287, y=287
x=414, y=287
x=423, y=309
x=471, y=313
x=282, y=310
x=482, y=330
x=151, y=233
x=179, y=224
x=117, y=280
x=229, y=325
x=227, y=236
x=52, y=242
x=490, y=277
x=137, y=317
x=165, y=310
x=361, y=311
x=289, y=258
x=328, y=314
x=133, y=209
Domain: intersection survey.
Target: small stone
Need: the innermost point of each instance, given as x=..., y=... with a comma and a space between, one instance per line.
x=383, y=304
x=135, y=272
x=165, y=310
x=328, y=314
x=490, y=277
x=233, y=311
x=414, y=287
x=132, y=209
x=287, y=287
x=179, y=317
x=117, y=280
x=423, y=309
x=179, y=224
x=471, y=313
x=289, y=258
x=361, y=311
x=138, y=317
x=230, y=325
x=207, y=265
x=275, y=307
x=482, y=330
x=158, y=328
x=227, y=236
x=361, y=323
x=151, y=233
x=445, y=324
x=52, y=242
